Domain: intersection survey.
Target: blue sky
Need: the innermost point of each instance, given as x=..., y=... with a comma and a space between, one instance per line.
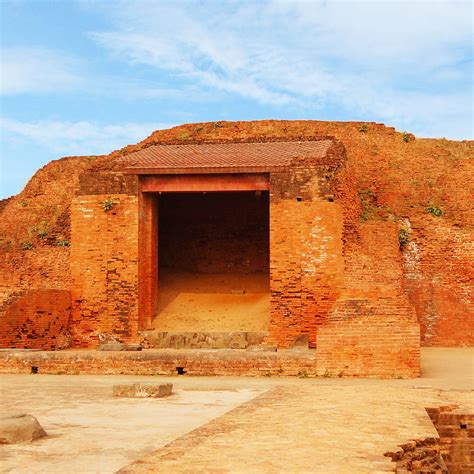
x=88, y=76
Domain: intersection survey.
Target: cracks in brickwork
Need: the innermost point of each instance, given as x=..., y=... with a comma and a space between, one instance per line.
x=412, y=272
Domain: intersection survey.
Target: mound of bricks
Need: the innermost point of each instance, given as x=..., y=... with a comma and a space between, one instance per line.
x=143, y=390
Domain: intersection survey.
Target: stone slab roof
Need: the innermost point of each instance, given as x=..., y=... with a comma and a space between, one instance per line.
x=222, y=157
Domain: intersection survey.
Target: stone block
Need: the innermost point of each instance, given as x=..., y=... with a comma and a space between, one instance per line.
x=132, y=347
x=143, y=390
x=118, y=346
x=19, y=428
x=262, y=348
x=111, y=346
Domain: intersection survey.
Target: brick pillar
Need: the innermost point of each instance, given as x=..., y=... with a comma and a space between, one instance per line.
x=104, y=254
x=305, y=266
x=147, y=259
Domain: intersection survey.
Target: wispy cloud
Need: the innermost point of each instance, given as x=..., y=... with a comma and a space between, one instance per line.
x=391, y=61
x=385, y=33
x=72, y=138
x=37, y=70
x=403, y=62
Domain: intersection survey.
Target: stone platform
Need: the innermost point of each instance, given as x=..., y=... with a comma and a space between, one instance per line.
x=161, y=362
x=143, y=390
x=203, y=340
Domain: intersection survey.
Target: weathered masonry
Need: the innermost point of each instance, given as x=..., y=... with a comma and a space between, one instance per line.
x=264, y=211
x=232, y=220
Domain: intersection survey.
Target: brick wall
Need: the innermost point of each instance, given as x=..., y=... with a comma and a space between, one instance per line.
x=369, y=346
x=439, y=271
x=36, y=319
x=456, y=431
x=372, y=330
x=404, y=177
x=331, y=279
x=104, y=254
x=305, y=267
x=305, y=247
x=162, y=362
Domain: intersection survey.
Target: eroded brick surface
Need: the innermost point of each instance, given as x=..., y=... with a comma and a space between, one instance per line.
x=163, y=362
x=104, y=268
x=37, y=319
x=456, y=431
x=334, y=225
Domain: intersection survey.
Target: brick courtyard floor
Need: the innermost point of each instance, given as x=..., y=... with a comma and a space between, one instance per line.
x=232, y=424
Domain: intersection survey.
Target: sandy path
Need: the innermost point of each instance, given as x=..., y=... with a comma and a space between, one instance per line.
x=212, y=302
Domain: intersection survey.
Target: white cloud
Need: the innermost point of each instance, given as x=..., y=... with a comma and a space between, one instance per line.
x=217, y=57
x=44, y=71
x=300, y=52
x=402, y=62
x=391, y=61
x=77, y=138
x=380, y=32
x=37, y=70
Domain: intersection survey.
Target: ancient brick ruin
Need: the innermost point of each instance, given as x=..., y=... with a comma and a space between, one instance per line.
x=272, y=226
x=451, y=452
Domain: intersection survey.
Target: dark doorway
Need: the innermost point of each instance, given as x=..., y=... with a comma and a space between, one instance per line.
x=213, y=259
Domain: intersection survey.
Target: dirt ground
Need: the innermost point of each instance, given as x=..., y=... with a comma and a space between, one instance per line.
x=231, y=424
x=192, y=302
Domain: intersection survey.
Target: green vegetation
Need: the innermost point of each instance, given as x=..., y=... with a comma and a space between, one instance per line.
x=41, y=229
x=406, y=137
x=107, y=205
x=363, y=128
x=63, y=243
x=435, y=210
x=403, y=237
x=27, y=245
x=368, y=201
x=373, y=209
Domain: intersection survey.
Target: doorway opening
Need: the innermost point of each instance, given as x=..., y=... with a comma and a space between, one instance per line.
x=213, y=262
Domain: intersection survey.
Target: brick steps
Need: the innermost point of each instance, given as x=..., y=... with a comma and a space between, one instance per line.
x=202, y=340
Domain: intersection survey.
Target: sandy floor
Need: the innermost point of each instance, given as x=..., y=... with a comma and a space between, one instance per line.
x=90, y=431
x=274, y=424
x=212, y=302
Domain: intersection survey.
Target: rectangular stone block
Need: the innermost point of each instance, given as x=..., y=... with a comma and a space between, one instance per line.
x=118, y=346
x=143, y=390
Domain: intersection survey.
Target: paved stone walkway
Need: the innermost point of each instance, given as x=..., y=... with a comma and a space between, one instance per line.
x=303, y=429
x=232, y=424
x=91, y=431
x=321, y=426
